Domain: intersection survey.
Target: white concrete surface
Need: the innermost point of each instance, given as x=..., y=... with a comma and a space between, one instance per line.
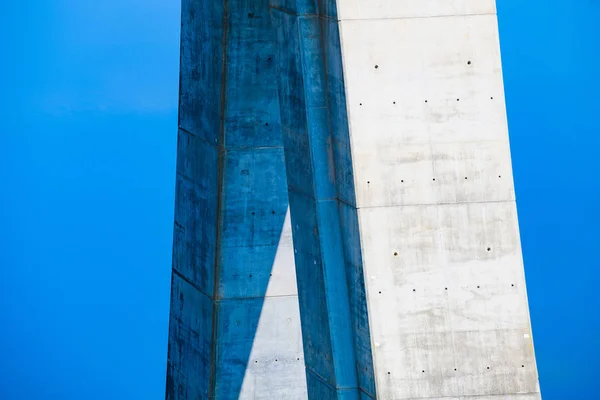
x=442, y=257
x=276, y=363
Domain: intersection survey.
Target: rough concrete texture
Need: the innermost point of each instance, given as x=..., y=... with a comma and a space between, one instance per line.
x=235, y=325
x=315, y=131
x=437, y=220
x=389, y=117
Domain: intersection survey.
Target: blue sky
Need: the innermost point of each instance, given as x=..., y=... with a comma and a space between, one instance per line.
x=87, y=144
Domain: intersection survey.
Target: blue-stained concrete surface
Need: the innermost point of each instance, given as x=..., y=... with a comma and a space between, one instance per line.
x=319, y=169
x=340, y=137
x=244, y=66
x=190, y=342
x=231, y=195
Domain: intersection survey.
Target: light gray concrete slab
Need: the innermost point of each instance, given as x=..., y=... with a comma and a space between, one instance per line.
x=437, y=220
x=276, y=363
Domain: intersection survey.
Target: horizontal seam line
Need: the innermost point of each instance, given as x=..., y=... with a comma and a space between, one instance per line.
x=216, y=146
x=440, y=204
x=418, y=17
x=192, y=284
x=222, y=148
x=185, y=279
x=295, y=13
x=321, y=200
x=472, y=395
x=312, y=371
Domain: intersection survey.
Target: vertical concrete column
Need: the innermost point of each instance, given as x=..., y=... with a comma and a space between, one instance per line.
x=444, y=280
x=235, y=327
x=400, y=188
x=335, y=326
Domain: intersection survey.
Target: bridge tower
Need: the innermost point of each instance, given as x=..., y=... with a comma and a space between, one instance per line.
x=345, y=223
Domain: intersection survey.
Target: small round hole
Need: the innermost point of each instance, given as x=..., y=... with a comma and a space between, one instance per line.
x=425, y=101
x=477, y=287
x=423, y=371
x=434, y=179
x=255, y=362
x=512, y=284
x=499, y=176
x=389, y=372
x=266, y=124
x=298, y=358
x=253, y=212
x=469, y=62
x=273, y=212
x=465, y=177
x=380, y=292
x=376, y=66
x=276, y=360
x=368, y=181
x=445, y=288
x=455, y=369
x=394, y=102
x=488, y=367
x=360, y=104
x=457, y=99
x=402, y=180
x=250, y=275
x=414, y=290
x=489, y=249
x=395, y=254
x=491, y=98
x=522, y=366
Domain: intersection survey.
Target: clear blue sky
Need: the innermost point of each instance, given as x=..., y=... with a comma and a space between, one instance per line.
x=87, y=165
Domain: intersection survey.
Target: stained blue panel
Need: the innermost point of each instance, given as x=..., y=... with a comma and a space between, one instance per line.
x=252, y=103
x=357, y=298
x=254, y=209
x=312, y=57
x=296, y=7
x=190, y=339
x=236, y=327
x=311, y=287
x=292, y=104
x=365, y=396
x=195, y=231
x=336, y=286
x=319, y=168
x=318, y=389
x=338, y=113
x=317, y=113
x=328, y=9
x=321, y=153
x=201, y=73
x=291, y=99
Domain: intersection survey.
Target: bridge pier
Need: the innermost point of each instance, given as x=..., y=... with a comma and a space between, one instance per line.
x=384, y=124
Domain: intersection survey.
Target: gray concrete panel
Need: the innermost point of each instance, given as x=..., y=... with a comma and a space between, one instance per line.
x=444, y=282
